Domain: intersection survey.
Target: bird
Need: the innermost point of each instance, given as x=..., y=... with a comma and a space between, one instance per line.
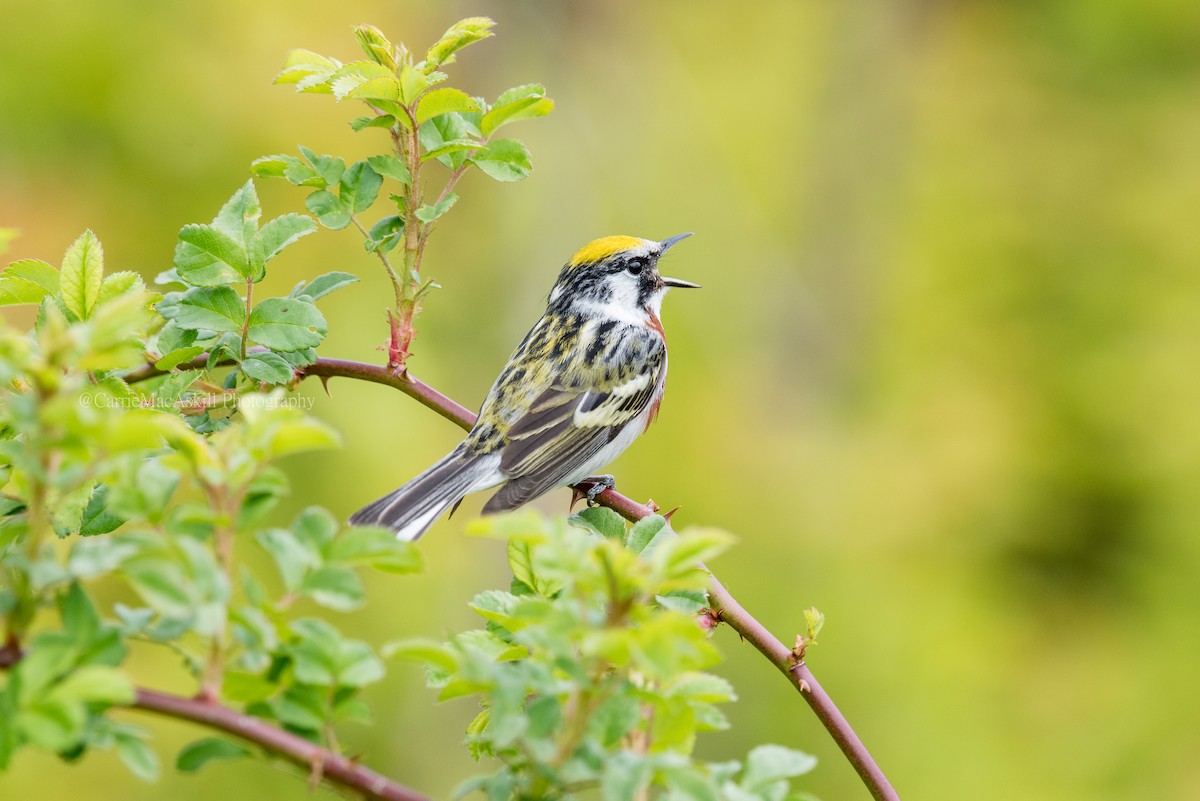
x=583, y=384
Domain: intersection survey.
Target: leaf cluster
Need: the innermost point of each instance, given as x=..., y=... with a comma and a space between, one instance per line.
x=590, y=668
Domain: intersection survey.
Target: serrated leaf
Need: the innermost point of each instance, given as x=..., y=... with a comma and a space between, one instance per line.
x=286, y=324
x=199, y=753
x=456, y=37
x=276, y=235
x=173, y=359
x=359, y=186
x=377, y=121
x=436, y=102
x=117, y=284
x=27, y=281
x=323, y=284
x=384, y=87
x=212, y=248
x=390, y=167
x=331, y=210
x=97, y=519
x=212, y=309
x=81, y=275
x=518, y=103
x=270, y=368
x=376, y=45
x=504, y=160
x=603, y=521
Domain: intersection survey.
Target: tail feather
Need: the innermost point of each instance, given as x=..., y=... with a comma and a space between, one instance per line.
x=413, y=508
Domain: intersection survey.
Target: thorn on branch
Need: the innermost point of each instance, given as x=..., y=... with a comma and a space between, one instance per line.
x=316, y=772
x=669, y=514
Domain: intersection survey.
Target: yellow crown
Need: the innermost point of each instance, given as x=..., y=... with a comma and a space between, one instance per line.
x=601, y=249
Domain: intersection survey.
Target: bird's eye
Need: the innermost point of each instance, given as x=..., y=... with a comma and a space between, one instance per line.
x=635, y=266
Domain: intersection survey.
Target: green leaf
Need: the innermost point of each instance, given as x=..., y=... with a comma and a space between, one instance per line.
x=270, y=368
x=177, y=357
x=161, y=585
x=386, y=234
x=376, y=45
x=683, y=554
x=688, y=602
x=603, y=521
x=625, y=774
x=447, y=131
x=518, y=103
x=377, y=547
x=118, y=284
x=275, y=236
x=456, y=37
x=97, y=519
x=335, y=587
x=324, y=284
x=704, y=687
x=769, y=763
x=378, y=121
x=390, y=167
x=428, y=213
x=82, y=274
x=239, y=215
x=358, y=665
x=382, y=87
x=291, y=556
x=359, y=186
x=643, y=532
x=139, y=757
x=331, y=210
x=328, y=168
x=272, y=166
x=308, y=70
x=427, y=651
x=441, y=101
x=27, y=281
x=504, y=160
x=286, y=324
x=199, y=753
x=95, y=684
x=205, y=251
x=215, y=308
x=688, y=784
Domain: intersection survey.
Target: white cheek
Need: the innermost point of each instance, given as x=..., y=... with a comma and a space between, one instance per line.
x=625, y=290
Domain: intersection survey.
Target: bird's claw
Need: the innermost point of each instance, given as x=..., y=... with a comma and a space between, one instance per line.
x=598, y=485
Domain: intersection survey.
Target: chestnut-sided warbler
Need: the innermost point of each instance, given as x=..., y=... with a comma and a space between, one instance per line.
x=583, y=384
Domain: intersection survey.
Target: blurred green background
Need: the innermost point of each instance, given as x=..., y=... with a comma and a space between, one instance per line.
x=941, y=381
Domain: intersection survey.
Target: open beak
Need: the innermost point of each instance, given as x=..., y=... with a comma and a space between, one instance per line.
x=666, y=245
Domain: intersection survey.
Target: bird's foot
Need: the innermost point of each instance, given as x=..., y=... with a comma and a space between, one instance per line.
x=598, y=485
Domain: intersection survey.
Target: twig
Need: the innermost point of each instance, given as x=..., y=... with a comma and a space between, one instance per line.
x=335, y=768
x=728, y=609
